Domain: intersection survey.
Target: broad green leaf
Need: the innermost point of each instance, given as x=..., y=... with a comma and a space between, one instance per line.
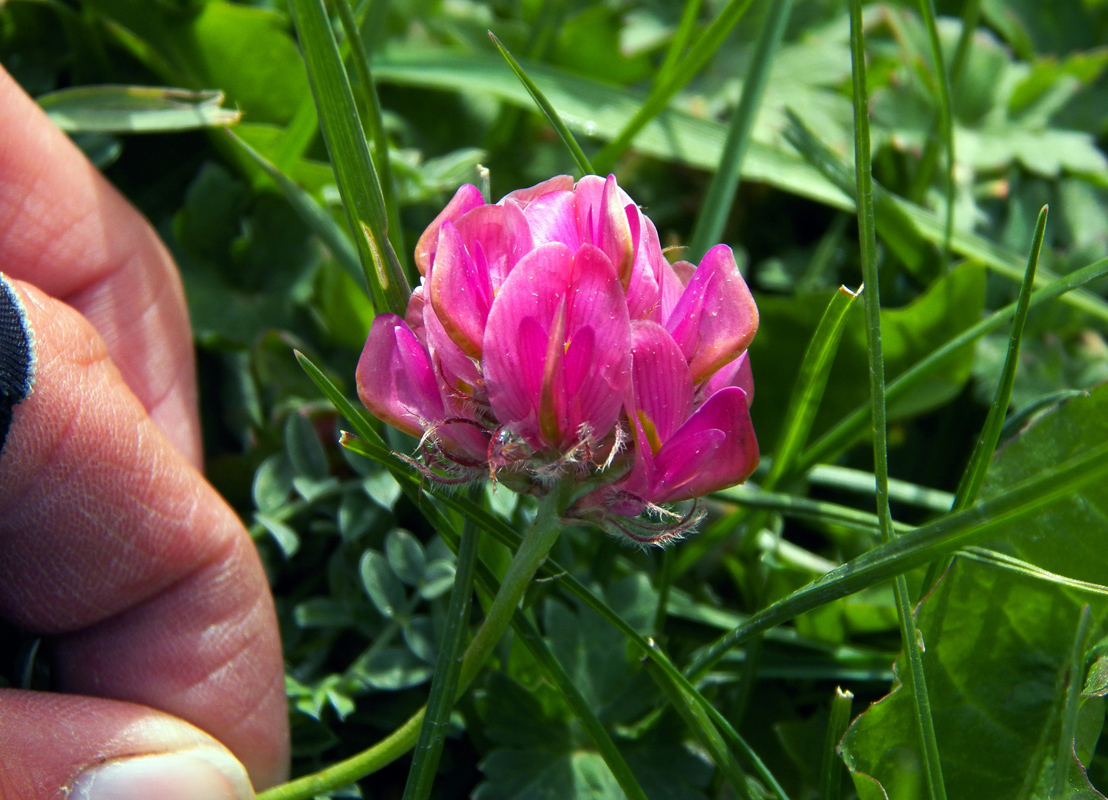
x=272, y=483
x=909, y=333
x=998, y=637
x=287, y=539
x=245, y=52
x=136, y=109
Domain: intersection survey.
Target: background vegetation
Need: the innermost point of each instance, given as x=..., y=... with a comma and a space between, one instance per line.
x=361, y=577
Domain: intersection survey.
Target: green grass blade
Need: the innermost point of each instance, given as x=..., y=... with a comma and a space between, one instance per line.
x=1065, y=755
x=946, y=120
x=681, y=38
x=444, y=683
x=850, y=428
x=357, y=179
x=867, y=233
x=974, y=475
x=716, y=207
x=810, y=384
x=702, y=52
x=831, y=770
x=376, y=125
x=312, y=213
x=701, y=725
x=547, y=109
x=910, y=550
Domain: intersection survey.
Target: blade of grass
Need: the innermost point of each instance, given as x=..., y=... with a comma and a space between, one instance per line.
x=357, y=179
x=700, y=54
x=974, y=475
x=831, y=770
x=716, y=207
x=1065, y=755
x=926, y=169
x=946, y=121
x=910, y=550
x=679, y=42
x=982, y=455
x=701, y=725
x=867, y=233
x=312, y=213
x=547, y=109
x=851, y=427
x=376, y=125
x=448, y=662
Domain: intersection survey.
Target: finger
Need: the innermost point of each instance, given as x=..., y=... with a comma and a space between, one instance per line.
x=66, y=230
x=113, y=544
x=112, y=751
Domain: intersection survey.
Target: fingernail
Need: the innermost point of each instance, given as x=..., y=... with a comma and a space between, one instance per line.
x=17, y=357
x=202, y=774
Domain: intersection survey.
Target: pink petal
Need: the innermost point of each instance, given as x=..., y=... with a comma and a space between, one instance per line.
x=663, y=387
x=737, y=373
x=596, y=313
x=672, y=280
x=523, y=197
x=715, y=449
x=395, y=379
x=553, y=218
x=502, y=234
x=461, y=291
x=517, y=334
x=617, y=234
x=716, y=318
x=565, y=318
x=644, y=289
x=459, y=378
x=464, y=199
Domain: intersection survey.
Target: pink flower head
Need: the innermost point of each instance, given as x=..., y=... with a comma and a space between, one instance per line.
x=551, y=337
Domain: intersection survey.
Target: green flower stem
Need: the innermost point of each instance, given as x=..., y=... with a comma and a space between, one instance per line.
x=536, y=544
x=444, y=685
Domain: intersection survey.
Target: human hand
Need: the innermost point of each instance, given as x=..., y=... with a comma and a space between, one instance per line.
x=112, y=544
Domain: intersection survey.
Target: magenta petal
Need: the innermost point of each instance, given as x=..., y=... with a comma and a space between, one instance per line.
x=502, y=234
x=597, y=309
x=715, y=449
x=716, y=318
x=458, y=375
x=549, y=302
x=523, y=197
x=517, y=333
x=460, y=291
x=737, y=373
x=395, y=379
x=466, y=198
x=672, y=280
x=663, y=387
x=615, y=235
x=553, y=218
